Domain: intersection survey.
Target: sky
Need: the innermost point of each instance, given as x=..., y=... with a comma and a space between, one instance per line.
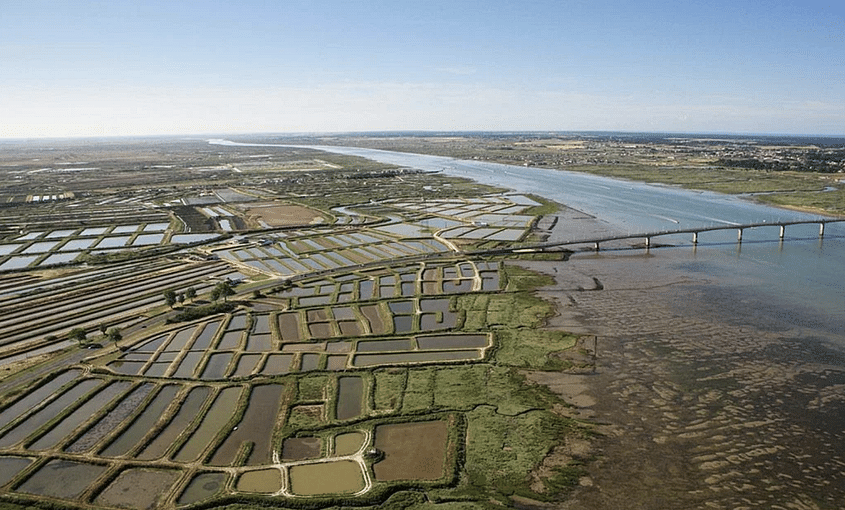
x=116, y=68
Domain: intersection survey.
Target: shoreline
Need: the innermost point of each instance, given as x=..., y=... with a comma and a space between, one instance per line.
x=693, y=409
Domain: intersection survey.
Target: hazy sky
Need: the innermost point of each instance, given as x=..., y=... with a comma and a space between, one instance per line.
x=111, y=67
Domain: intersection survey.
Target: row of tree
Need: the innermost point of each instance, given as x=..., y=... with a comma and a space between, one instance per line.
x=221, y=290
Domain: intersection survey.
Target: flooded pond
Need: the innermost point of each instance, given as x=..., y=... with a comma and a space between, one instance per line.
x=237, y=322
x=83, y=413
x=188, y=365
x=182, y=419
x=452, y=341
x=310, y=361
x=384, y=345
x=217, y=365
x=139, y=488
x=203, y=486
x=301, y=448
x=204, y=340
x=337, y=362
x=368, y=360
x=36, y=396
x=152, y=345
x=142, y=424
x=48, y=412
x=412, y=451
x=64, y=479
x=231, y=340
x=350, y=328
x=77, y=244
x=217, y=416
x=191, y=238
x=246, y=364
x=401, y=307
x=340, y=477
x=258, y=342
x=350, y=395
x=403, y=324
x=18, y=262
x=277, y=364
x=256, y=426
x=114, y=242
x=265, y=481
x=11, y=466
x=111, y=420
x=147, y=239
x=320, y=330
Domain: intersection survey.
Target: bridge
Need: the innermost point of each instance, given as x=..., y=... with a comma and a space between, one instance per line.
x=695, y=231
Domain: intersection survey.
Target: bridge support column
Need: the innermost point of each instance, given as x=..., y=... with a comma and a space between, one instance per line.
x=782, y=231
x=596, y=246
x=739, y=235
x=648, y=242
x=821, y=229
x=695, y=238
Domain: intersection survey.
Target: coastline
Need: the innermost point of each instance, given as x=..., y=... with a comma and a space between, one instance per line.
x=694, y=408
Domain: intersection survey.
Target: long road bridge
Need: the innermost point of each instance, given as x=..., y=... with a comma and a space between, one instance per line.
x=695, y=231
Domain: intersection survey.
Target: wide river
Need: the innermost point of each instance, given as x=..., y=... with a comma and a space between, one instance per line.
x=720, y=379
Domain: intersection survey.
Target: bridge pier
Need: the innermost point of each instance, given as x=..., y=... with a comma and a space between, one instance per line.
x=648, y=242
x=695, y=238
x=596, y=246
x=739, y=235
x=821, y=229
x=782, y=231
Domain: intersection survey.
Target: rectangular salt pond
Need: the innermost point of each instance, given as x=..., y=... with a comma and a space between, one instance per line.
x=191, y=238
x=18, y=262
x=93, y=231
x=77, y=244
x=41, y=247
x=58, y=234
x=452, y=342
x=6, y=249
x=508, y=234
x=29, y=236
x=125, y=229
x=369, y=360
x=114, y=242
x=58, y=258
x=147, y=239
x=156, y=227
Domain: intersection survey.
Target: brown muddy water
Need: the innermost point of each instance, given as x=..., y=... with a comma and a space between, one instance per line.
x=11, y=466
x=709, y=396
x=340, y=477
x=188, y=410
x=265, y=481
x=108, y=423
x=142, y=424
x=216, y=417
x=301, y=448
x=256, y=426
x=348, y=443
x=203, y=486
x=64, y=479
x=138, y=488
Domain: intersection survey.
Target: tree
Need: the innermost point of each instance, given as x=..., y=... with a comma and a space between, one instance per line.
x=191, y=293
x=181, y=298
x=170, y=297
x=115, y=336
x=222, y=289
x=103, y=328
x=78, y=334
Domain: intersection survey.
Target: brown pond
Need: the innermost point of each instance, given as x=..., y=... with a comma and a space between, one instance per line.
x=180, y=340
x=47, y=413
x=316, y=315
x=452, y=341
x=157, y=369
x=112, y=420
x=64, y=479
x=139, y=488
x=246, y=364
x=230, y=340
x=35, y=397
x=182, y=419
x=83, y=413
x=343, y=313
x=365, y=289
x=384, y=345
x=412, y=451
x=320, y=330
x=340, y=477
x=142, y=424
x=201, y=487
x=373, y=316
x=289, y=326
x=434, y=321
x=11, y=466
x=348, y=443
x=350, y=328
x=266, y=481
x=403, y=324
x=310, y=361
x=127, y=367
x=259, y=342
x=350, y=395
x=236, y=322
x=277, y=364
x=368, y=360
x=217, y=365
x=188, y=365
x=216, y=417
x=337, y=362
x=152, y=345
x=256, y=426
x=301, y=448
x=204, y=340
